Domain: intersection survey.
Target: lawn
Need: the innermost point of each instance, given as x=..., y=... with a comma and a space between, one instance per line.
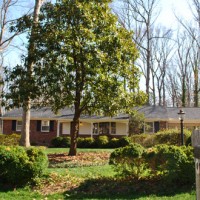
x=89, y=176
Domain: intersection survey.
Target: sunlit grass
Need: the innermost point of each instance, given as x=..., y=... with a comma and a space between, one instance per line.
x=66, y=150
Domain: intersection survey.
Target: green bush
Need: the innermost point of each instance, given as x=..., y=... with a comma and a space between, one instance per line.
x=18, y=165
x=57, y=141
x=171, y=136
x=146, y=140
x=9, y=140
x=85, y=142
x=60, y=142
x=102, y=141
x=129, y=161
x=124, y=141
x=168, y=136
x=175, y=165
x=66, y=141
x=172, y=165
x=113, y=143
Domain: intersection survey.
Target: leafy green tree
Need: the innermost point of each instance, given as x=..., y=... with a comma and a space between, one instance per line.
x=85, y=60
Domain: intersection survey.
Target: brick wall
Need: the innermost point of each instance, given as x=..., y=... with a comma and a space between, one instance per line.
x=36, y=137
x=41, y=138
x=7, y=127
x=163, y=125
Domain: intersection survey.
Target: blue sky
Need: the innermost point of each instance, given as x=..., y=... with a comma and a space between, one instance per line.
x=167, y=18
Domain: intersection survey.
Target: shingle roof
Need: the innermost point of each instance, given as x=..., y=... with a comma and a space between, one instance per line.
x=169, y=113
x=150, y=112
x=46, y=112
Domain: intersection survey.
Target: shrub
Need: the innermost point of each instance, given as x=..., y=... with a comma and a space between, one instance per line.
x=171, y=136
x=66, y=141
x=60, y=142
x=102, y=141
x=146, y=140
x=168, y=136
x=19, y=166
x=85, y=142
x=128, y=161
x=57, y=142
x=175, y=165
x=124, y=141
x=114, y=143
x=9, y=140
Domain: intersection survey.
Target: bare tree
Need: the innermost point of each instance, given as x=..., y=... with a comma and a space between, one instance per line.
x=173, y=88
x=192, y=29
x=162, y=52
x=140, y=16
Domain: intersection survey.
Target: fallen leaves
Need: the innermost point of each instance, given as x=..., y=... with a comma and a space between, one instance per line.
x=81, y=159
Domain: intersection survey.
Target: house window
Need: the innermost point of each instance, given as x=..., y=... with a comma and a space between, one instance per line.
x=45, y=126
x=149, y=127
x=113, y=128
x=104, y=128
x=18, y=125
x=95, y=128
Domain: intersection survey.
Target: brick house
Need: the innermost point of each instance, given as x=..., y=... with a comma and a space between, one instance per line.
x=45, y=125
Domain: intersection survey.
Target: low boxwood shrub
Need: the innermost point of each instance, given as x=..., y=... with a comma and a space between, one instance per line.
x=113, y=143
x=87, y=142
x=60, y=142
x=9, y=140
x=102, y=141
x=19, y=166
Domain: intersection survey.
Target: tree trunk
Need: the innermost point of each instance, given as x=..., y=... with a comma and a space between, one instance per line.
x=25, y=136
x=164, y=100
x=25, y=133
x=183, y=93
x=74, y=136
x=196, y=83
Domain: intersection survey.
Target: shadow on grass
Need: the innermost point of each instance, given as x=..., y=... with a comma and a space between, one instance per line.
x=5, y=187
x=107, y=188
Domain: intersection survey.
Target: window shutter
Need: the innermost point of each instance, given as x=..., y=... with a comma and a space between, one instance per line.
x=14, y=122
x=61, y=128
x=38, y=125
x=51, y=125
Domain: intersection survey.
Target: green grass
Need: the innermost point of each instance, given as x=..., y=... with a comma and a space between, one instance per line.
x=66, y=150
x=26, y=194
x=86, y=172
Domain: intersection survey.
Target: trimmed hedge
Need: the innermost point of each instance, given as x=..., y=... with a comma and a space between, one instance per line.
x=60, y=142
x=19, y=166
x=85, y=142
x=88, y=142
